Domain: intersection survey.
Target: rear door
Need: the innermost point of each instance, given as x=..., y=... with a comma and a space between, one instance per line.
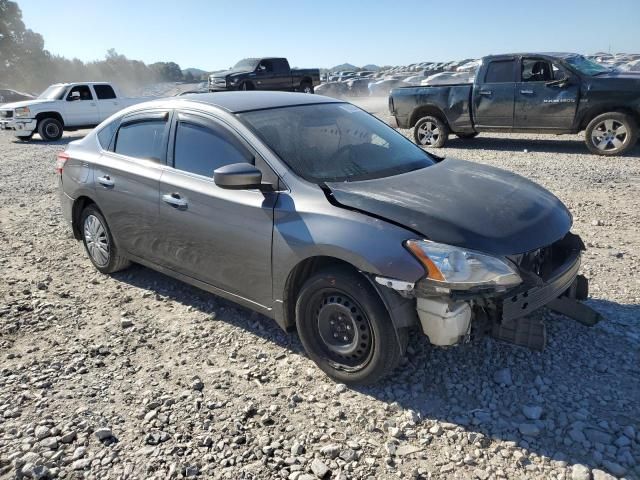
x=265, y=77
x=282, y=74
x=107, y=101
x=80, y=107
x=493, y=95
x=127, y=177
x=542, y=105
x=218, y=236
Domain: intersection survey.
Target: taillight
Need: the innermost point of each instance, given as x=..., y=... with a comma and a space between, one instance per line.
x=62, y=158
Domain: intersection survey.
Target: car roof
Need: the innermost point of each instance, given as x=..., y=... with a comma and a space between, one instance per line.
x=533, y=54
x=236, y=102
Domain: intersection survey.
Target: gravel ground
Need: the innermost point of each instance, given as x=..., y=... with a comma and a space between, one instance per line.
x=137, y=375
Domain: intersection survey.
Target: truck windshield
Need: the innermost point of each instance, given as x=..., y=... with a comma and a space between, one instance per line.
x=335, y=142
x=54, y=92
x=586, y=66
x=248, y=64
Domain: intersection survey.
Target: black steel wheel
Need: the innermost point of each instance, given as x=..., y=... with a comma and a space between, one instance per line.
x=345, y=328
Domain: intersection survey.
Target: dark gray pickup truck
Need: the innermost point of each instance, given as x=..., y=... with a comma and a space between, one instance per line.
x=265, y=74
x=552, y=93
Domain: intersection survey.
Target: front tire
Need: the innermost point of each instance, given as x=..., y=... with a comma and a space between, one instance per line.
x=50, y=129
x=306, y=87
x=345, y=328
x=431, y=131
x=98, y=242
x=611, y=134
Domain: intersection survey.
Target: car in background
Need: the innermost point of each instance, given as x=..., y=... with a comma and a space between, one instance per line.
x=63, y=107
x=552, y=93
x=269, y=73
x=8, y=95
x=317, y=214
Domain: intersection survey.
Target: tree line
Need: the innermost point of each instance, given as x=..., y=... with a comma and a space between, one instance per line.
x=25, y=65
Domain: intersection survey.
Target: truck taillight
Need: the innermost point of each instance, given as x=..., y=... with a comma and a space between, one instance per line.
x=62, y=158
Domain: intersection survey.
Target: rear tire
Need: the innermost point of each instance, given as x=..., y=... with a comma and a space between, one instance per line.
x=98, y=242
x=345, y=328
x=50, y=129
x=431, y=131
x=610, y=134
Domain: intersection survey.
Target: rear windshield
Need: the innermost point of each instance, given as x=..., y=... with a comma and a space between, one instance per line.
x=335, y=142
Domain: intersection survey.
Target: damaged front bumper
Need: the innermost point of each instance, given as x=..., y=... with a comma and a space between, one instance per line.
x=550, y=278
x=21, y=127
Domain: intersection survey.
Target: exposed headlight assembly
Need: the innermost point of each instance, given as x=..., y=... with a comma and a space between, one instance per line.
x=22, y=112
x=462, y=269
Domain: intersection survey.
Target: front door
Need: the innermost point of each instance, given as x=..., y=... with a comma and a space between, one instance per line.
x=218, y=236
x=80, y=107
x=127, y=179
x=541, y=102
x=493, y=95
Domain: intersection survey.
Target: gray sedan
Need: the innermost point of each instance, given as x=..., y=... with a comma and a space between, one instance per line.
x=318, y=215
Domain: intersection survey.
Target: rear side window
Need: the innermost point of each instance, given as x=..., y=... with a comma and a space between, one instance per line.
x=104, y=92
x=106, y=134
x=142, y=139
x=500, y=71
x=201, y=149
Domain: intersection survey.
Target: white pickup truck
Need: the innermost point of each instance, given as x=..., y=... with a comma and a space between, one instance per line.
x=63, y=106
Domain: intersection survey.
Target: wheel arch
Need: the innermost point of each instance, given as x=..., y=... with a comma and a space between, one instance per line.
x=590, y=114
x=425, y=110
x=401, y=310
x=79, y=204
x=56, y=115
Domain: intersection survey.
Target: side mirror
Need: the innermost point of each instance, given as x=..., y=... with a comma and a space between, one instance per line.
x=74, y=96
x=561, y=83
x=238, y=176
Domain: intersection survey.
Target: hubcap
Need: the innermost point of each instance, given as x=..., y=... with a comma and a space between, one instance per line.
x=428, y=133
x=52, y=130
x=344, y=329
x=609, y=135
x=97, y=240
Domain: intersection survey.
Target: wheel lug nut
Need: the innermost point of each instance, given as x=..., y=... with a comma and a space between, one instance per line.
x=345, y=338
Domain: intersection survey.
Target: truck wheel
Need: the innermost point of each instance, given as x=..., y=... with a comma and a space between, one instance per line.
x=306, y=87
x=466, y=136
x=611, y=133
x=345, y=327
x=431, y=132
x=50, y=129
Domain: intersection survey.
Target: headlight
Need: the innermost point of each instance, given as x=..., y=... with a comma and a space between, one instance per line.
x=22, y=112
x=460, y=268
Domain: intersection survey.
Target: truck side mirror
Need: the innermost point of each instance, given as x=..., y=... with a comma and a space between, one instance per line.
x=73, y=96
x=561, y=83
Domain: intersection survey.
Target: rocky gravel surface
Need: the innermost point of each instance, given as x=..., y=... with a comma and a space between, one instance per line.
x=137, y=375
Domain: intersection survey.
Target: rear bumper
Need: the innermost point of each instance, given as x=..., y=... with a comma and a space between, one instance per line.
x=20, y=127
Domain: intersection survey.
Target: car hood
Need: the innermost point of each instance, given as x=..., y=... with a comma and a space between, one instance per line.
x=230, y=72
x=463, y=204
x=24, y=103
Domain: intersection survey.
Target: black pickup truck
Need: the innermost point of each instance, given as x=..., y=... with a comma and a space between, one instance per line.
x=552, y=93
x=265, y=74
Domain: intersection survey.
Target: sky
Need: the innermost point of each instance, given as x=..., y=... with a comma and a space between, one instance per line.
x=213, y=34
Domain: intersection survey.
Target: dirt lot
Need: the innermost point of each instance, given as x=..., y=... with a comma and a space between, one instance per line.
x=137, y=375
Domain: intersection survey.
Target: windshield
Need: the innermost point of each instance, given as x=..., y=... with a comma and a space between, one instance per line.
x=586, y=66
x=54, y=92
x=246, y=64
x=335, y=142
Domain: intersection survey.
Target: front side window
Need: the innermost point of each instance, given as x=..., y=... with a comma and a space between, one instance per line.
x=536, y=70
x=335, y=142
x=201, y=149
x=500, y=71
x=142, y=139
x=104, y=92
x=80, y=91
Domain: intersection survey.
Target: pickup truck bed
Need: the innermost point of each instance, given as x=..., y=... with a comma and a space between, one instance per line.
x=540, y=93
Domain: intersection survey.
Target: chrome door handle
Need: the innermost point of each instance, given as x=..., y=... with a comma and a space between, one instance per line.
x=106, y=181
x=485, y=92
x=526, y=92
x=93, y=104
x=175, y=200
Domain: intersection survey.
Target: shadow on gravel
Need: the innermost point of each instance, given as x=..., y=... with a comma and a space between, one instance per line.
x=550, y=145
x=570, y=403
x=36, y=140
